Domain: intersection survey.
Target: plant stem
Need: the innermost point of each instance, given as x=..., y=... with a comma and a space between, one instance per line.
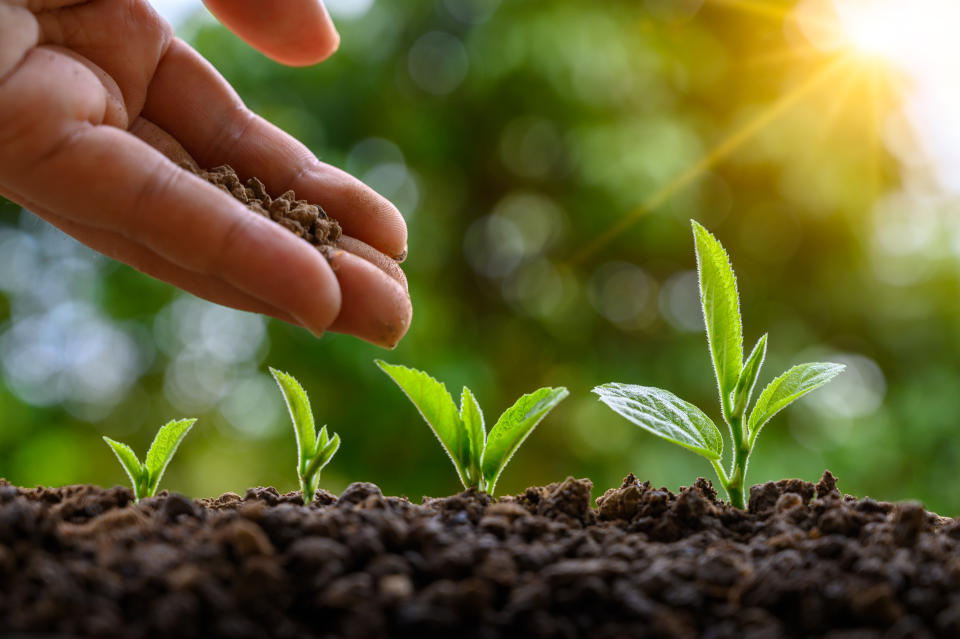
x=741, y=453
x=305, y=492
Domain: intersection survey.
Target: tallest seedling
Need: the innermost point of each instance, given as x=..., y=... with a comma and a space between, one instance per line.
x=666, y=415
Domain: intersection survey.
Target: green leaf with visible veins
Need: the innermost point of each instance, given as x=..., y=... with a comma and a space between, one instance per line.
x=721, y=311
x=437, y=408
x=162, y=450
x=128, y=459
x=298, y=404
x=472, y=418
x=513, y=427
x=792, y=385
x=665, y=415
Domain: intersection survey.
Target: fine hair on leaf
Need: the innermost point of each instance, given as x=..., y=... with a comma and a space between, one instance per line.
x=314, y=449
x=669, y=417
x=146, y=477
x=479, y=458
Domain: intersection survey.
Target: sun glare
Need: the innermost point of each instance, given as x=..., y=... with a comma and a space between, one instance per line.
x=872, y=27
x=867, y=60
x=902, y=33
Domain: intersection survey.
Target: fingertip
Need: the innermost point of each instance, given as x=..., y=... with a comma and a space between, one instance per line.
x=375, y=306
x=315, y=48
x=292, y=32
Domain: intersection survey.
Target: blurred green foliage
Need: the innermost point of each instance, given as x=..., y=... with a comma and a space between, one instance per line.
x=510, y=134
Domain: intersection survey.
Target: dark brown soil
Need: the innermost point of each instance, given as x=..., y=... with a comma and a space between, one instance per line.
x=306, y=220
x=804, y=561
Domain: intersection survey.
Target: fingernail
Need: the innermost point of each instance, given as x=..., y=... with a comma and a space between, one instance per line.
x=401, y=257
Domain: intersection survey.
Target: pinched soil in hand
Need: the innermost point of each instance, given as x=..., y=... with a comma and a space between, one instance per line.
x=308, y=221
x=803, y=561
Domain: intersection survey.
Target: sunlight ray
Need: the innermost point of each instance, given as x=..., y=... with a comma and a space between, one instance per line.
x=729, y=144
x=778, y=57
x=843, y=96
x=874, y=144
x=759, y=8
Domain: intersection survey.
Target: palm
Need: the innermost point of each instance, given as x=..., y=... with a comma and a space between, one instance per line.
x=83, y=84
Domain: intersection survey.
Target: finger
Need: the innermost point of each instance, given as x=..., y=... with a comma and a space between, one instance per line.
x=375, y=307
x=146, y=261
x=18, y=34
x=192, y=102
x=364, y=288
x=293, y=32
x=164, y=142
x=115, y=111
x=375, y=257
x=105, y=178
x=161, y=141
x=124, y=39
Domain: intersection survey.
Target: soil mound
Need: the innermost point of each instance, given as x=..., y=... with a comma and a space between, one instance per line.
x=802, y=561
x=305, y=220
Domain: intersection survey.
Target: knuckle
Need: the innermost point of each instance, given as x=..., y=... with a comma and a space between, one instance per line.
x=19, y=32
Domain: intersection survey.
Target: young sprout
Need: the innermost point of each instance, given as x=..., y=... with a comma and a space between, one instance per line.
x=146, y=477
x=478, y=458
x=314, y=450
x=666, y=415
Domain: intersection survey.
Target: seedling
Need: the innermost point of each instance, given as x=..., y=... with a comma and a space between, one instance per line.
x=314, y=450
x=146, y=477
x=667, y=416
x=478, y=458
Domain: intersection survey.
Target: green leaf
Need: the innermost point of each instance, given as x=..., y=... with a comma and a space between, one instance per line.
x=665, y=415
x=472, y=418
x=748, y=377
x=298, y=405
x=128, y=459
x=322, y=458
x=721, y=311
x=322, y=438
x=162, y=450
x=792, y=385
x=437, y=408
x=513, y=427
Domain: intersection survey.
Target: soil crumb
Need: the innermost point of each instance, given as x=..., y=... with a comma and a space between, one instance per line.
x=802, y=561
x=305, y=220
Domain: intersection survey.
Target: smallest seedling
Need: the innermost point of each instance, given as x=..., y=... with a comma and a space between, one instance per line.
x=146, y=477
x=314, y=450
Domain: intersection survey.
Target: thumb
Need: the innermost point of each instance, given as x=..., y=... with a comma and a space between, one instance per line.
x=292, y=32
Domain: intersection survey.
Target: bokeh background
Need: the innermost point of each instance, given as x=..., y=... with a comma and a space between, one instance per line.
x=548, y=157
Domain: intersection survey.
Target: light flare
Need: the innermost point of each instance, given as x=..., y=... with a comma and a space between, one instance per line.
x=721, y=151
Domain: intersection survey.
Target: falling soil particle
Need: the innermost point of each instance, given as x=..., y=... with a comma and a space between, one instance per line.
x=305, y=220
x=802, y=561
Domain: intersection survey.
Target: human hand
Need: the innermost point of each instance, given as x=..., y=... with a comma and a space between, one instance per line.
x=83, y=84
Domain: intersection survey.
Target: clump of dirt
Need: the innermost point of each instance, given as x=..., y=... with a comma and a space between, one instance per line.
x=308, y=221
x=802, y=561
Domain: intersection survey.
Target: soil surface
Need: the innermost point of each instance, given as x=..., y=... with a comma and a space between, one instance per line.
x=306, y=220
x=803, y=561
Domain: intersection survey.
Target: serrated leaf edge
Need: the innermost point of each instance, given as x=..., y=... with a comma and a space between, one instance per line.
x=461, y=473
x=556, y=395
x=712, y=455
